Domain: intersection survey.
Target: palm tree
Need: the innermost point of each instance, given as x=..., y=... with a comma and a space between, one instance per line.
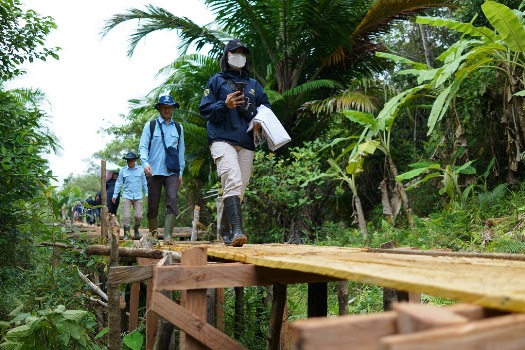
x=301, y=50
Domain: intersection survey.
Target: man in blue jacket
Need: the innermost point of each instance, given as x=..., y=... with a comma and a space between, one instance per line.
x=229, y=103
x=132, y=181
x=157, y=137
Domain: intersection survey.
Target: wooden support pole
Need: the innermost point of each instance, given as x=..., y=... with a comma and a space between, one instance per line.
x=134, y=306
x=114, y=297
x=103, y=201
x=276, y=317
x=193, y=300
x=195, y=223
x=317, y=299
x=151, y=319
x=238, y=318
x=219, y=308
x=165, y=328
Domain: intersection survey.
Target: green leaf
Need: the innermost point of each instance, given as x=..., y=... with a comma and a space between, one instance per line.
x=19, y=332
x=10, y=345
x=507, y=24
x=399, y=59
x=362, y=118
x=75, y=315
x=416, y=172
x=134, y=340
x=465, y=28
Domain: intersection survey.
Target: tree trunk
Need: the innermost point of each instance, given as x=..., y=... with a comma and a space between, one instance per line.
x=426, y=47
x=361, y=217
x=402, y=192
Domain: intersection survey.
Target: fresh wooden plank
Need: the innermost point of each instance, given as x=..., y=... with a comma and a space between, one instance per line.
x=179, y=277
x=503, y=332
x=192, y=324
x=414, y=318
x=344, y=332
x=491, y=283
x=361, y=332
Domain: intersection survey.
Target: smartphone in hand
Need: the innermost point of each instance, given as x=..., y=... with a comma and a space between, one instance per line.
x=240, y=86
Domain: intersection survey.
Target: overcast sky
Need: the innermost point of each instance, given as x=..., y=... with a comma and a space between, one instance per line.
x=88, y=88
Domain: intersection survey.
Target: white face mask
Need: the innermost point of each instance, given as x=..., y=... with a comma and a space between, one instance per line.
x=236, y=60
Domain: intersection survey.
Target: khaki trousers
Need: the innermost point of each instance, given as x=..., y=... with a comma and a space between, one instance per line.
x=126, y=211
x=234, y=166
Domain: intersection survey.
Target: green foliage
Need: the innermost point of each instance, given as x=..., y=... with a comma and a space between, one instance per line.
x=24, y=140
x=57, y=328
x=23, y=35
x=257, y=306
x=282, y=198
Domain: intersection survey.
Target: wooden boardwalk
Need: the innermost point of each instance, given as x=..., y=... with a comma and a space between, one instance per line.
x=493, y=281
x=489, y=287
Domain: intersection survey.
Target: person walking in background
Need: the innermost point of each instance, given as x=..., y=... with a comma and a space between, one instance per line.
x=79, y=210
x=110, y=188
x=229, y=103
x=132, y=181
x=96, y=211
x=162, y=155
x=89, y=212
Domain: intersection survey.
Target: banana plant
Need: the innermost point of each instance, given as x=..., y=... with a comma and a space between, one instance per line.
x=377, y=132
x=449, y=174
x=499, y=48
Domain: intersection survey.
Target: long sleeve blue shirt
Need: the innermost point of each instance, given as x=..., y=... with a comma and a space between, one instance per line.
x=132, y=181
x=156, y=154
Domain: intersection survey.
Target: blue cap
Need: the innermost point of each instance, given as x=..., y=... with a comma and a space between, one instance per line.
x=130, y=155
x=166, y=100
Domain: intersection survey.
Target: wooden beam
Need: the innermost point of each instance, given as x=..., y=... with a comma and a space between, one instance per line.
x=192, y=324
x=193, y=300
x=360, y=332
x=129, y=274
x=504, y=332
x=414, y=318
x=126, y=252
x=227, y=275
x=344, y=332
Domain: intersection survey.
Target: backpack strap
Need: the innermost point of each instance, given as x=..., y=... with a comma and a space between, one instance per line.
x=230, y=82
x=152, y=130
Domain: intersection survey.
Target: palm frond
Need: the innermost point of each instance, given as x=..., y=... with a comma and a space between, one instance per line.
x=155, y=18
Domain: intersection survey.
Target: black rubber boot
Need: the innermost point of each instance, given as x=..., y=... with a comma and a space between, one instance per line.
x=136, y=234
x=232, y=208
x=225, y=230
x=126, y=233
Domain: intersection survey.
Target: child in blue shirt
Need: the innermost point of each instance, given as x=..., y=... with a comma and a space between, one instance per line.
x=132, y=181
